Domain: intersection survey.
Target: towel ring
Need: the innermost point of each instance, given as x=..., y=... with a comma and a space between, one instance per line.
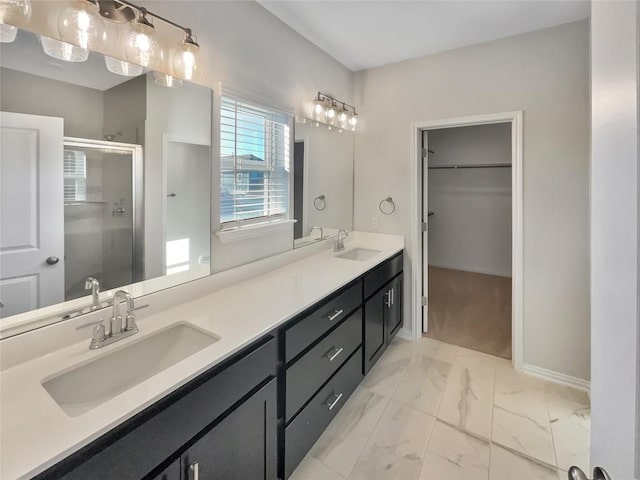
x=388, y=200
x=320, y=203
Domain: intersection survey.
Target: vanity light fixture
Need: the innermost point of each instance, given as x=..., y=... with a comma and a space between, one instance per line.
x=185, y=58
x=165, y=80
x=80, y=23
x=13, y=13
x=120, y=67
x=334, y=113
x=63, y=50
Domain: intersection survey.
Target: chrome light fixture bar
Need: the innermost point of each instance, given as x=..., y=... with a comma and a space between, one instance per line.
x=334, y=112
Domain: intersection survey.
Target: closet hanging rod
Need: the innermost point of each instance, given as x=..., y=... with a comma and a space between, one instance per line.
x=470, y=165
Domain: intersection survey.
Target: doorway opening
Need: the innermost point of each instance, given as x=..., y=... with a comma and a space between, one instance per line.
x=468, y=247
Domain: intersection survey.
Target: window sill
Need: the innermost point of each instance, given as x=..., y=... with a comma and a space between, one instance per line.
x=254, y=231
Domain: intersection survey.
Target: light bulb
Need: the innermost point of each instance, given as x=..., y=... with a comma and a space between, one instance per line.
x=7, y=33
x=80, y=24
x=63, y=51
x=185, y=59
x=15, y=12
x=120, y=67
x=142, y=47
x=165, y=80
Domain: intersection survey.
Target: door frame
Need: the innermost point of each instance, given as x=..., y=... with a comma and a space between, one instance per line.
x=137, y=193
x=515, y=118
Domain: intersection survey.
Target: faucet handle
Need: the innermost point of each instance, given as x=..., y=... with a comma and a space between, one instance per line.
x=130, y=323
x=99, y=335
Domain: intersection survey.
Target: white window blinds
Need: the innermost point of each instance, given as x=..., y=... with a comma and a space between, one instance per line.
x=75, y=176
x=255, y=147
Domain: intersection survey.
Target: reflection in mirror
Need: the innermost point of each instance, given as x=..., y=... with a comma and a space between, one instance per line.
x=102, y=175
x=323, y=182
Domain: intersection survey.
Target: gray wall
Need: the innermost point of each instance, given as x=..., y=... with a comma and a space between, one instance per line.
x=471, y=227
x=615, y=140
x=545, y=74
x=81, y=107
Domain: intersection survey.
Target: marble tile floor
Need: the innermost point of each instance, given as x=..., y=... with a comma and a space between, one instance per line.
x=433, y=411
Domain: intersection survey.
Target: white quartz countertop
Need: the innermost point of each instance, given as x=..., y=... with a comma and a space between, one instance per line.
x=36, y=433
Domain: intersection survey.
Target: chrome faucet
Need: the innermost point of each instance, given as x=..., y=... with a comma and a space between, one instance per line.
x=117, y=330
x=92, y=284
x=339, y=245
x=321, y=232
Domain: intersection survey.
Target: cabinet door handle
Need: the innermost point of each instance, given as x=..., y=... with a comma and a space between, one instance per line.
x=333, y=400
x=193, y=468
x=333, y=353
x=393, y=296
x=387, y=300
x=336, y=314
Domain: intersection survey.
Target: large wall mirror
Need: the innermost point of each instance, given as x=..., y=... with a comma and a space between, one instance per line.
x=323, y=181
x=103, y=176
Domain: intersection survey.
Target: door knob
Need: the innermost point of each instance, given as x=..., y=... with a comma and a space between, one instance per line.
x=52, y=260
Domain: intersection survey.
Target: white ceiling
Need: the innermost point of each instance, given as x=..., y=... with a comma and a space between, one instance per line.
x=368, y=33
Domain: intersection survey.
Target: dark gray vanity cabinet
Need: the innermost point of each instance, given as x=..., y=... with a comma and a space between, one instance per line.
x=257, y=414
x=382, y=309
x=243, y=445
x=233, y=405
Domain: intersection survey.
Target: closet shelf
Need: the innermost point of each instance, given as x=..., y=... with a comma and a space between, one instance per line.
x=469, y=165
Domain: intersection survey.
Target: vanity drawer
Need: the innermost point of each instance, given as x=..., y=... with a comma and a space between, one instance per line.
x=307, y=375
x=305, y=429
x=376, y=278
x=321, y=320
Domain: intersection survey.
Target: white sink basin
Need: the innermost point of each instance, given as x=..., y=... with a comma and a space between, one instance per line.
x=359, y=254
x=82, y=389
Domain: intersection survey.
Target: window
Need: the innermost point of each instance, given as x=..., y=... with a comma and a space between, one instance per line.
x=75, y=176
x=254, y=163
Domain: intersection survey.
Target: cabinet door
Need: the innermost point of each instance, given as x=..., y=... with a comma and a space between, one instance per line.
x=393, y=318
x=242, y=446
x=172, y=472
x=375, y=333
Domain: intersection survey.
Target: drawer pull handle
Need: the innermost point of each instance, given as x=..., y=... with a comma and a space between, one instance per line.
x=194, y=471
x=335, y=315
x=333, y=353
x=336, y=398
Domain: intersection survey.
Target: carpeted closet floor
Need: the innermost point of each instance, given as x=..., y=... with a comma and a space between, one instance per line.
x=472, y=310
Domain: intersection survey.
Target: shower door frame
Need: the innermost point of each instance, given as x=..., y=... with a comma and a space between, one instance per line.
x=137, y=193
x=517, y=221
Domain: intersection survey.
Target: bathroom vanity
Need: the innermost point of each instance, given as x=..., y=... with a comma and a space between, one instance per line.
x=266, y=378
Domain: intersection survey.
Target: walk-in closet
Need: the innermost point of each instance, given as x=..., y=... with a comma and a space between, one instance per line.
x=469, y=211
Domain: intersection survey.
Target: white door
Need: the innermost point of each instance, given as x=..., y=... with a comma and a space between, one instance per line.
x=425, y=230
x=31, y=212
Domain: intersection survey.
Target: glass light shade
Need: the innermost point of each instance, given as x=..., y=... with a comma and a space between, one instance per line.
x=343, y=119
x=120, y=67
x=185, y=61
x=166, y=80
x=64, y=51
x=80, y=24
x=7, y=33
x=142, y=48
x=353, y=121
x=318, y=110
x=15, y=12
x=331, y=114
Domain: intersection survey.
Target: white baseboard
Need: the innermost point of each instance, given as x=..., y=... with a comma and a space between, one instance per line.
x=405, y=333
x=556, y=377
